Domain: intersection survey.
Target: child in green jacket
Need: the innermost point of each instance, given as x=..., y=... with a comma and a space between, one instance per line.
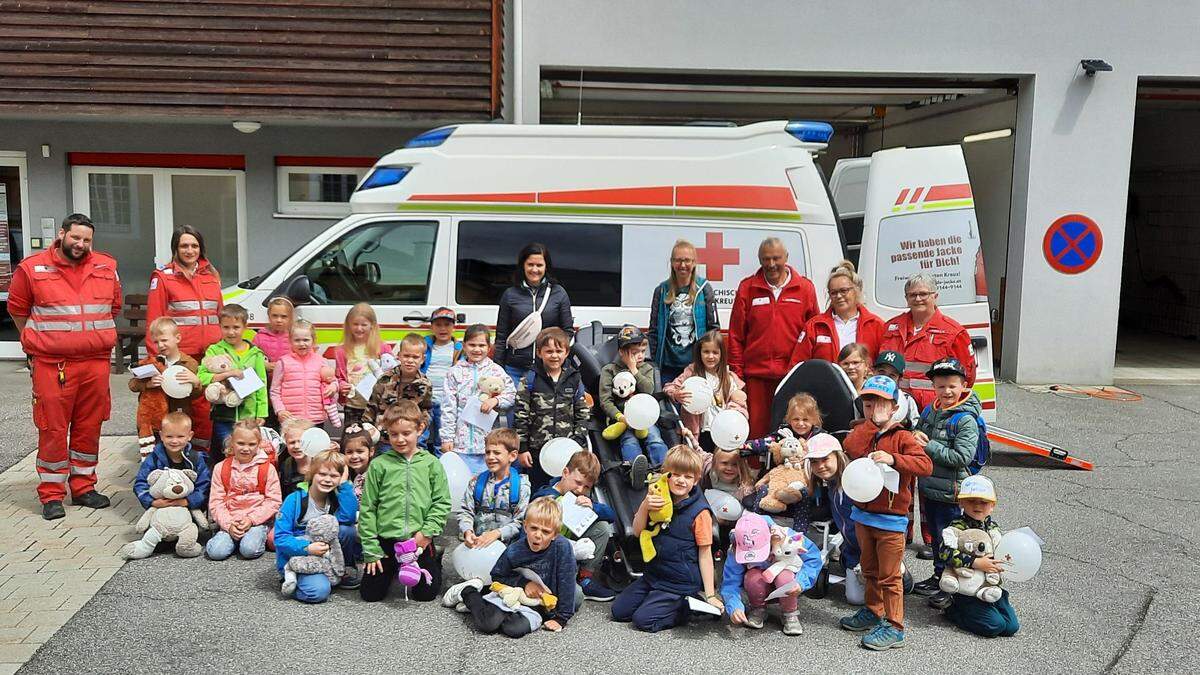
x=245, y=356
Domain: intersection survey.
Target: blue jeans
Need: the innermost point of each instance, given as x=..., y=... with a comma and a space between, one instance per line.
x=351, y=546
x=631, y=446
x=938, y=515
x=251, y=546
x=216, y=449
x=312, y=588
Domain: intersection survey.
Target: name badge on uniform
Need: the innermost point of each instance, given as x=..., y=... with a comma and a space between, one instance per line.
x=760, y=301
x=824, y=340
x=892, y=326
x=43, y=268
x=801, y=338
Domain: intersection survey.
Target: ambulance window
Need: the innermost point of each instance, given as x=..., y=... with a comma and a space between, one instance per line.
x=586, y=259
x=387, y=263
x=944, y=244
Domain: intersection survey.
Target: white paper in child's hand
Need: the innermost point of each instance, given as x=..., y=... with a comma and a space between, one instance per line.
x=891, y=477
x=782, y=591
x=144, y=372
x=698, y=605
x=366, y=385
x=247, y=384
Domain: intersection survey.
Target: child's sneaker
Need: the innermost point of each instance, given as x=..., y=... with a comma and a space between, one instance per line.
x=453, y=595
x=791, y=624
x=756, y=617
x=352, y=579
x=884, y=637
x=595, y=591
x=941, y=601
x=639, y=469
x=863, y=619
x=929, y=587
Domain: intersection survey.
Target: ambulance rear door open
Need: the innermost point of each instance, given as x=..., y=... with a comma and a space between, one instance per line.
x=919, y=216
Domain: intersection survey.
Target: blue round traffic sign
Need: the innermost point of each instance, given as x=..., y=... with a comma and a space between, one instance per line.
x=1073, y=243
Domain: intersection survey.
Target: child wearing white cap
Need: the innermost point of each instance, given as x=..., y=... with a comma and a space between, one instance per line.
x=977, y=497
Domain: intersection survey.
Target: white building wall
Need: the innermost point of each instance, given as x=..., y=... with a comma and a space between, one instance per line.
x=1072, y=147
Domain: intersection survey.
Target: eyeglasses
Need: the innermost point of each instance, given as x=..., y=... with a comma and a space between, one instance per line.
x=840, y=292
x=683, y=261
x=919, y=295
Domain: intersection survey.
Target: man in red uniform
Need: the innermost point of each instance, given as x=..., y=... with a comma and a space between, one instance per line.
x=769, y=312
x=924, y=335
x=64, y=301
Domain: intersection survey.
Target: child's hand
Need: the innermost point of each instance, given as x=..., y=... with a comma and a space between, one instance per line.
x=155, y=381
x=683, y=396
x=317, y=548
x=585, y=502
x=374, y=567
x=921, y=437
x=987, y=566
x=655, y=502
x=236, y=530
x=552, y=626
x=258, y=421
x=161, y=503
x=486, y=538
x=882, y=457
x=346, y=388
x=331, y=390
x=533, y=590
x=630, y=361
x=422, y=540
x=488, y=404
x=447, y=446
x=469, y=538
x=236, y=373
x=738, y=617
x=188, y=377
x=715, y=600
x=526, y=459
x=738, y=397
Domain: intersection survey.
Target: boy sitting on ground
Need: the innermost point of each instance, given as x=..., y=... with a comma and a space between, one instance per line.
x=580, y=474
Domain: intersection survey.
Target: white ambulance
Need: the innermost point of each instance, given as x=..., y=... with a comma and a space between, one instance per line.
x=440, y=222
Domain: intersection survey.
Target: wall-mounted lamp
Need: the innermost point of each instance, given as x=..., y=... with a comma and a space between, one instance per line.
x=1093, y=66
x=247, y=127
x=987, y=136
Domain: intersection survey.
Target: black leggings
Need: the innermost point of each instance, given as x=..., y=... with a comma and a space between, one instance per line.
x=375, y=586
x=489, y=619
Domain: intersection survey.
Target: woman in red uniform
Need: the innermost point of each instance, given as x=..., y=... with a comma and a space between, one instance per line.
x=846, y=320
x=188, y=290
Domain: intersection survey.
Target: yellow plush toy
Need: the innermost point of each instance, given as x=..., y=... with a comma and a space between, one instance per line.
x=515, y=595
x=658, y=486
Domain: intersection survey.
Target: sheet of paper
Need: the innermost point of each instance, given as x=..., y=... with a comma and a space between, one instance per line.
x=891, y=477
x=698, y=605
x=247, y=384
x=530, y=575
x=576, y=518
x=144, y=372
x=477, y=418
x=366, y=385
x=782, y=591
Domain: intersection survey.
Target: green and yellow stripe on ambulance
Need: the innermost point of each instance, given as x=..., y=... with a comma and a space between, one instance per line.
x=921, y=198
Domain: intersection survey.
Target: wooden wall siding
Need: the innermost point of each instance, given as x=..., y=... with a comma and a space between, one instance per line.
x=367, y=60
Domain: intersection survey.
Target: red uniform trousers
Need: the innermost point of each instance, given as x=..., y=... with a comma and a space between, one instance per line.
x=70, y=401
x=760, y=392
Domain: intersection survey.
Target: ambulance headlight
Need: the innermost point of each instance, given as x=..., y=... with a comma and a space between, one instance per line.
x=382, y=176
x=810, y=132
x=431, y=138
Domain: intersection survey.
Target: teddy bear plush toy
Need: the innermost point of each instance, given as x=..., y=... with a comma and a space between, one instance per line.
x=515, y=595
x=623, y=385
x=786, y=552
x=324, y=529
x=170, y=523
x=658, y=517
x=490, y=386
x=221, y=392
x=966, y=580
x=787, y=482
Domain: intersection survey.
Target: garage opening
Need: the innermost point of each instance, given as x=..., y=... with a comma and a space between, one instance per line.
x=1158, y=338
x=868, y=114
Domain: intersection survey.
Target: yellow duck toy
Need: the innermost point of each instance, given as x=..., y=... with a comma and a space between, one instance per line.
x=515, y=595
x=657, y=486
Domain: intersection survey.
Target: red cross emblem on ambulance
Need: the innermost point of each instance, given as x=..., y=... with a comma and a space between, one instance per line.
x=714, y=256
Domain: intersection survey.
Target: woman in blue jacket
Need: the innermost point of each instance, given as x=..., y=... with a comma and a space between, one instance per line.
x=327, y=491
x=682, y=309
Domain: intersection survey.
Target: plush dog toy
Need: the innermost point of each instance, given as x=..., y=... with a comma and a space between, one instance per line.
x=323, y=528
x=170, y=523
x=624, y=385
x=221, y=392
x=786, y=552
x=966, y=580
x=658, y=486
x=515, y=595
x=787, y=482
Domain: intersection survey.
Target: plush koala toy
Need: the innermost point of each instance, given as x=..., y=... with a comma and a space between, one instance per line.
x=320, y=529
x=966, y=580
x=171, y=523
x=221, y=392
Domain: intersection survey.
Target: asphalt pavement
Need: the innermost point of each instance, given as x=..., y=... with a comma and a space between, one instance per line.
x=1116, y=593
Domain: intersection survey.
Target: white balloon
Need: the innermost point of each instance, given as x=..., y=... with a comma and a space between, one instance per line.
x=1019, y=555
x=555, y=454
x=173, y=387
x=862, y=480
x=314, y=441
x=477, y=563
x=726, y=507
x=641, y=411
x=730, y=430
x=458, y=475
x=702, y=395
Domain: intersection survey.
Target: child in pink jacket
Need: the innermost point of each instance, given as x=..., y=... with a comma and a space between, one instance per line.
x=297, y=386
x=711, y=363
x=243, y=497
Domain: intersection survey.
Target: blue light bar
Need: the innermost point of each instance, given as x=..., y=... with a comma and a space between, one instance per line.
x=431, y=138
x=383, y=176
x=810, y=132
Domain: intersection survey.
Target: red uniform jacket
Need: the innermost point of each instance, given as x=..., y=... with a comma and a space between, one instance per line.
x=820, y=339
x=763, y=330
x=192, y=303
x=909, y=457
x=71, y=309
x=941, y=337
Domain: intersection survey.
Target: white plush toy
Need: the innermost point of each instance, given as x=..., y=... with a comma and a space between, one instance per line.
x=967, y=580
x=786, y=552
x=171, y=523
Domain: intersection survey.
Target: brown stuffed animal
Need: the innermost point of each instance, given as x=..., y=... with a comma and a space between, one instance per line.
x=154, y=404
x=785, y=483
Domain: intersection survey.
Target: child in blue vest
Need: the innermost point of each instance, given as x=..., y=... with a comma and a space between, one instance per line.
x=683, y=562
x=494, y=503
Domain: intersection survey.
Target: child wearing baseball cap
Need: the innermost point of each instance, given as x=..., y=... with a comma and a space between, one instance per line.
x=635, y=444
x=977, y=497
x=881, y=523
x=892, y=364
x=763, y=558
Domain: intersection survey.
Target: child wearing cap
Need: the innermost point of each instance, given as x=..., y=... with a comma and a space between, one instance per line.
x=825, y=463
x=977, y=497
x=881, y=523
x=949, y=431
x=631, y=358
x=751, y=565
x=441, y=349
x=892, y=364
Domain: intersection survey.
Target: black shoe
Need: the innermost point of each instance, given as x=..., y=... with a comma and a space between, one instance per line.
x=53, y=510
x=925, y=552
x=639, y=469
x=927, y=588
x=941, y=601
x=92, y=500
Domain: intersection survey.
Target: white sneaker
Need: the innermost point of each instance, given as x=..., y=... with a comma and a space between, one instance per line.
x=461, y=608
x=453, y=595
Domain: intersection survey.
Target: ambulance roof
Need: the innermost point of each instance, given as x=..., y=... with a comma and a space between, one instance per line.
x=761, y=171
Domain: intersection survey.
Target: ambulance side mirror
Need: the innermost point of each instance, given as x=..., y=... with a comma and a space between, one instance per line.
x=298, y=290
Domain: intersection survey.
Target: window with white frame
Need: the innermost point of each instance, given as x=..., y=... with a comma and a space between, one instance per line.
x=317, y=190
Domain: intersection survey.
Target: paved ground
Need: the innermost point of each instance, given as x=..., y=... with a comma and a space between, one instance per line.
x=1117, y=592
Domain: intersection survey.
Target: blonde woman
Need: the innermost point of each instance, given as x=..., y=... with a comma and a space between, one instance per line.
x=683, y=309
x=846, y=321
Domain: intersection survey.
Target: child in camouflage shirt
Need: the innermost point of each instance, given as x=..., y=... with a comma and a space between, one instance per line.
x=551, y=403
x=405, y=381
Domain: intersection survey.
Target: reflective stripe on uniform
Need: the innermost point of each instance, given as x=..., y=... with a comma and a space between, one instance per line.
x=82, y=470
x=103, y=324
x=917, y=366
x=209, y=304
x=184, y=305
x=51, y=466
x=54, y=325
x=54, y=310
x=920, y=384
x=187, y=320
x=52, y=477
x=84, y=456
x=211, y=320
x=97, y=309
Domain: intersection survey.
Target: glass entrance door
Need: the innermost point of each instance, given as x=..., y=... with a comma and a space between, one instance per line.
x=14, y=197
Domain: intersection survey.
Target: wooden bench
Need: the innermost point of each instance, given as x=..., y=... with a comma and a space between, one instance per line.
x=131, y=337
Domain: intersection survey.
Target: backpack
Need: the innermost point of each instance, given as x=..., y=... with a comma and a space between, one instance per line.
x=514, y=487
x=264, y=470
x=983, y=449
